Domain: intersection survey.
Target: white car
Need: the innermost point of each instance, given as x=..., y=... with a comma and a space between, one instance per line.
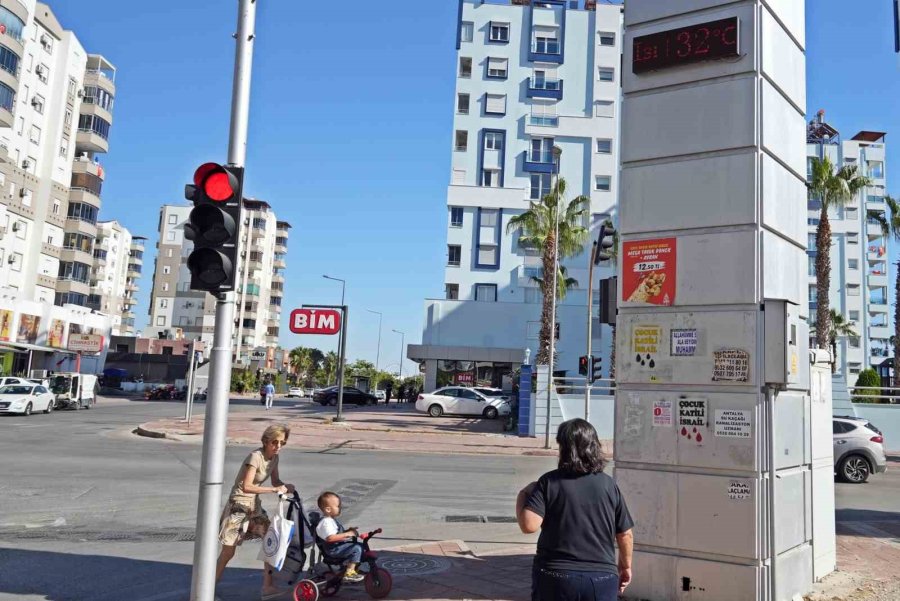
x=456, y=400
x=12, y=380
x=26, y=399
x=380, y=395
x=295, y=391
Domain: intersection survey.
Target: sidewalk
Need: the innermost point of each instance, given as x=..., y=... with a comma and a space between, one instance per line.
x=395, y=427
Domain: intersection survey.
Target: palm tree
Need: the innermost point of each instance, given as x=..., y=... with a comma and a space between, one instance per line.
x=890, y=226
x=839, y=328
x=306, y=361
x=831, y=188
x=539, y=225
x=329, y=365
x=563, y=282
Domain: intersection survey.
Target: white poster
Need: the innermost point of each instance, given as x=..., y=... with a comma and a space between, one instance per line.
x=662, y=413
x=734, y=423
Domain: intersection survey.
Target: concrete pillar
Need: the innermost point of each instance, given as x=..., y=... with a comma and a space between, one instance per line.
x=431, y=369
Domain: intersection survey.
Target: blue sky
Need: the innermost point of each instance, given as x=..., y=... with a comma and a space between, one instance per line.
x=350, y=131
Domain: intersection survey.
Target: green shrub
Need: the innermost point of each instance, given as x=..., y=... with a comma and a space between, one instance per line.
x=867, y=378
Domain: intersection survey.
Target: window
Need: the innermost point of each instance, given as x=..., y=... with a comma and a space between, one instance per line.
x=604, y=146
x=26, y=197
x=606, y=74
x=47, y=43
x=466, y=31
x=543, y=113
x=169, y=252
x=852, y=290
x=166, y=270
x=854, y=368
x=35, y=136
x=495, y=104
x=811, y=270
x=497, y=68
x=165, y=286
x=13, y=24
x=602, y=183
x=451, y=291
x=813, y=290
x=458, y=177
x=875, y=169
x=465, y=67
x=173, y=219
x=163, y=303
x=490, y=178
x=499, y=32
x=852, y=238
x=57, y=204
x=462, y=104
x=489, y=217
x=161, y=321
x=604, y=108
x=853, y=316
x=486, y=293
x=9, y=61
x=493, y=140
x=541, y=150
x=16, y=261
x=811, y=241
x=82, y=212
x=545, y=41
x=462, y=140
x=853, y=263
x=540, y=186
x=851, y=213
x=72, y=86
x=809, y=168
x=853, y=341
x=64, y=147
x=93, y=124
x=607, y=38
x=98, y=96
x=456, y=216
x=170, y=236
x=38, y=103
x=487, y=255
x=454, y=255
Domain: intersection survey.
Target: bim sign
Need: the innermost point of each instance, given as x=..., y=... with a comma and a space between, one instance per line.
x=315, y=321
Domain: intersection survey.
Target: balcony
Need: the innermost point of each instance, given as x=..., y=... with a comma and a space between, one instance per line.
x=100, y=72
x=543, y=120
x=71, y=285
x=129, y=301
x=280, y=248
x=876, y=252
x=85, y=196
x=50, y=249
x=89, y=108
x=537, y=162
x=75, y=254
x=46, y=280
x=545, y=50
x=91, y=141
x=131, y=287
x=539, y=87
x=279, y=263
x=877, y=280
x=880, y=332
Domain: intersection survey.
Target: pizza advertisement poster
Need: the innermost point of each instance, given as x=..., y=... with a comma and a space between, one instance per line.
x=648, y=271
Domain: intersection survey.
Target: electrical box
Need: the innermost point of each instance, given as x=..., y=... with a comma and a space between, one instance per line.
x=784, y=330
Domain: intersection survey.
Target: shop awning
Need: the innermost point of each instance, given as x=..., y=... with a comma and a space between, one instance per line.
x=24, y=347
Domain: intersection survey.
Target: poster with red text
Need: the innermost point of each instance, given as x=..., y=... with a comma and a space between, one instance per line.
x=648, y=271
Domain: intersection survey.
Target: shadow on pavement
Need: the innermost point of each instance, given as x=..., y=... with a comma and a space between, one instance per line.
x=56, y=576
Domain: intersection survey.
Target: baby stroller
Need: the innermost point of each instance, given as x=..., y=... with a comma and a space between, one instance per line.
x=314, y=573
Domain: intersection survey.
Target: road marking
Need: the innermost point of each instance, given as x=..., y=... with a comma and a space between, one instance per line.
x=78, y=496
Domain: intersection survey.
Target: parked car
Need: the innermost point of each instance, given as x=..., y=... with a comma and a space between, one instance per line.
x=26, y=399
x=295, y=391
x=13, y=380
x=858, y=449
x=380, y=395
x=39, y=381
x=493, y=392
x=329, y=396
x=456, y=400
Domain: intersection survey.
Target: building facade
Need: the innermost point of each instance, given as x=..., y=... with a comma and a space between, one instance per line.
x=530, y=76
x=859, y=250
x=177, y=311
x=118, y=262
x=56, y=103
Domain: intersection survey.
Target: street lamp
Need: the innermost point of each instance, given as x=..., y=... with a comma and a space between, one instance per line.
x=343, y=288
x=402, y=346
x=378, y=351
x=557, y=152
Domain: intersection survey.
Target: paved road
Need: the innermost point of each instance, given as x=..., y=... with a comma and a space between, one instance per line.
x=92, y=513
x=70, y=479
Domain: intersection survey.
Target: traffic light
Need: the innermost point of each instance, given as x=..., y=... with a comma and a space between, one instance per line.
x=583, y=365
x=214, y=226
x=605, y=241
x=596, y=366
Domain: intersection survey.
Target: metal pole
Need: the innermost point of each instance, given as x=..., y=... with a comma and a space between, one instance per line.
x=206, y=547
x=556, y=153
x=340, y=370
x=189, y=398
x=378, y=350
x=773, y=476
x=590, y=326
x=402, y=346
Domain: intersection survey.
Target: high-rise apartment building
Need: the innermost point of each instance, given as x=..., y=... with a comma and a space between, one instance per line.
x=176, y=310
x=859, y=250
x=56, y=103
x=118, y=260
x=530, y=76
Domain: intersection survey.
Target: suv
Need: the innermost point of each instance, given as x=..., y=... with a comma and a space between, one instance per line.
x=858, y=449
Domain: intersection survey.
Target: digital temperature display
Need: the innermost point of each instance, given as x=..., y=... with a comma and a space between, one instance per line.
x=686, y=45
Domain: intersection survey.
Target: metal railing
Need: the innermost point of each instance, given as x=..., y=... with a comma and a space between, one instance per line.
x=543, y=121
x=542, y=83
x=577, y=385
x=886, y=394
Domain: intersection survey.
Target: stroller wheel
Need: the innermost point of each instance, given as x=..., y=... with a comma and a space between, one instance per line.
x=378, y=583
x=306, y=590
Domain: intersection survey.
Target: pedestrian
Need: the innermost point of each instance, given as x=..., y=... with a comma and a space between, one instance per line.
x=270, y=395
x=401, y=393
x=387, y=393
x=243, y=517
x=576, y=551
x=412, y=394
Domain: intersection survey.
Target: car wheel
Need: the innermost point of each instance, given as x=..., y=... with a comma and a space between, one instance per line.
x=50, y=407
x=27, y=409
x=854, y=469
x=333, y=401
x=491, y=413
x=435, y=410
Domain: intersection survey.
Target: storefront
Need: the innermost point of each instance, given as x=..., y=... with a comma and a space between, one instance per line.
x=474, y=373
x=466, y=366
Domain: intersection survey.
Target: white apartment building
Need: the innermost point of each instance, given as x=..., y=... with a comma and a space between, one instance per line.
x=530, y=76
x=177, y=311
x=55, y=114
x=118, y=260
x=859, y=251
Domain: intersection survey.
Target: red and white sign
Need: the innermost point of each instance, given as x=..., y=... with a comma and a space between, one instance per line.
x=465, y=378
x=85, y=343
x=648, y=272
x=315, y=321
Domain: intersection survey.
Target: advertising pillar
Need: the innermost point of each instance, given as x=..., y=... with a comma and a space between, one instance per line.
x=712, y=402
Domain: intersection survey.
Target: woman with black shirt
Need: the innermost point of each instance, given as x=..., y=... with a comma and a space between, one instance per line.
x=582, y=517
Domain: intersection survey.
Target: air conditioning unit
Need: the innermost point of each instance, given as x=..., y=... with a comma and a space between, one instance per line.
x=11, y=259
x=16, y=226
x=35, y=102
x=23, y=192
x=39, y=69
x=81, y=93
x=26, y=164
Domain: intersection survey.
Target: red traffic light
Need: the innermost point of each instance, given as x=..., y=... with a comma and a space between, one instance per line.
x=216, y=182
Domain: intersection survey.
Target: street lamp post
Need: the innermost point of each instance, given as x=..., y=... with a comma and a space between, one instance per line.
x=343, y=289
x=557, y=152
x=402, y=346
x=378, y=350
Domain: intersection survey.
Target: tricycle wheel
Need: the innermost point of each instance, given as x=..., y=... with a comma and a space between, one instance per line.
x=306, y=590
x=378, y=583
x=330, y=587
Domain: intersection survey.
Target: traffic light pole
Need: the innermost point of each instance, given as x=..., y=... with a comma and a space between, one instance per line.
x=206, y=547
x=589, y=378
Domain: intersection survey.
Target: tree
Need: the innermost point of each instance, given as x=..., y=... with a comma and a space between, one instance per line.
x=890, y=227
x=832, y=189
x=868, y=378
x=329, y=368
x=306, y=361
x=839, y=328
x=538, y=231
x=563, y=282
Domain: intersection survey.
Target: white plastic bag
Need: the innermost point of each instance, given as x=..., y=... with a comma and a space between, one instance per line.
x=278, y=537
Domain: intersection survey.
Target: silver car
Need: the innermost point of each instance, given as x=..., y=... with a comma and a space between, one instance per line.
x=858, y=449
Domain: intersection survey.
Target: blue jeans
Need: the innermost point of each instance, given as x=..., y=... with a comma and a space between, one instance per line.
x=348, y=551
x=567, y=585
